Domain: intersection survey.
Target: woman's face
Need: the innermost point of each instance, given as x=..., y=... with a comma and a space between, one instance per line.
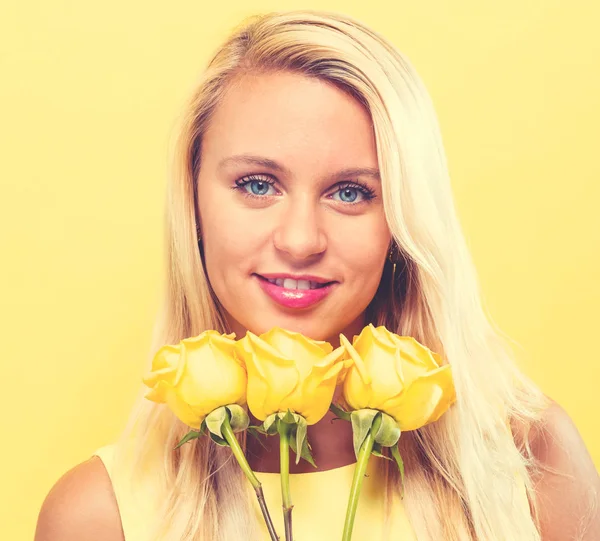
x=290, y=205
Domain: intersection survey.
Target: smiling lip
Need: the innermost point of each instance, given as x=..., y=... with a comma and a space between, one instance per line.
x=295, y=298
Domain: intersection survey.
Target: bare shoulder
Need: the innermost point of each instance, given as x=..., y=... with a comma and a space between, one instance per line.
x=81, y=506
x=567, y=483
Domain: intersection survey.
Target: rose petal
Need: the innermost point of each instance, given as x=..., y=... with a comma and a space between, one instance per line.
x=344, y=371
x=356, y=393
x=385, y=370
x=358, y=362
x=314, y=395
x=383, y=336
x=448, y=399
x=409, y=366
x=202, y=337
x=212, y=376
x=321, y=366
x=156, y=394
x=293, y=345
x=182, y=362
x=271, y=377
x=317, y=393
x=152, y=378
x=416, y=353
x=181, y=410
x=424, y=398
x=164, y=365
x=286, y=342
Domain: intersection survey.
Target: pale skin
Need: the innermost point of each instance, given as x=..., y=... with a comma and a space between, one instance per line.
x=309, y=220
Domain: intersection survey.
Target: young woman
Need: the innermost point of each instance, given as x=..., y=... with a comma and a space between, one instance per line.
x=310, y=153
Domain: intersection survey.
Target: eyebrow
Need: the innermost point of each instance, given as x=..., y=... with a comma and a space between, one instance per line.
x=247, y=159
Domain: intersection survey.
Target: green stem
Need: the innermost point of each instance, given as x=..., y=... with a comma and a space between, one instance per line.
x=359, y=474
x=229, y=435
x=284, y=468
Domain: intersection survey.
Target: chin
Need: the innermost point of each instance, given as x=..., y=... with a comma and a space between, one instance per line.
x=308, y=326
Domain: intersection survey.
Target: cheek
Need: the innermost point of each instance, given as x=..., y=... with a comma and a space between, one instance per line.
x=227, y=249
x=232, y=236
x=364, y=250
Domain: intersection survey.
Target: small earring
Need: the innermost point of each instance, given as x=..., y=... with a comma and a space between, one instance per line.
x=198, y=233
x=392, y=260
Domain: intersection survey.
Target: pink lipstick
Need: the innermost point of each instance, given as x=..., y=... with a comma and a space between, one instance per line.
x=294, y=291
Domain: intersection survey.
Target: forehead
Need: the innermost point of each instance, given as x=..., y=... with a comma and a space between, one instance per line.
x=293, y=118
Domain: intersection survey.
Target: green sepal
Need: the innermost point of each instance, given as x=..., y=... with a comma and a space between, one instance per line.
x=388, y=433
x=300, y=442
x=289, y=417
x=340, y=412
x=305, y=450
x=214, y=420
x=218, y=440
x=277, y=422
x=270, y=425
x=299, y=437
x=192, y=435
x=238, y=418
x=377, y=452
x=400, y=463
x=362, y=420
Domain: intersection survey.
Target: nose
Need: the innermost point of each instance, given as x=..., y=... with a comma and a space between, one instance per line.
x=299, y=233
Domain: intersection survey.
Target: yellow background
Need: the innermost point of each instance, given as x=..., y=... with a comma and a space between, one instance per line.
x=88, y=96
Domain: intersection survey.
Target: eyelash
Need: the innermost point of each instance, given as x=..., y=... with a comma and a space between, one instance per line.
x=366, y=192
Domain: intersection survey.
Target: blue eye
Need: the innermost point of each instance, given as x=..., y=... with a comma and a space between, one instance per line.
x=348, y=195
x=353, y=193
x=258, y=187
x=255, y=186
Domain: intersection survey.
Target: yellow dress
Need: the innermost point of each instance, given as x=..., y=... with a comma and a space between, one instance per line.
x=320, y=499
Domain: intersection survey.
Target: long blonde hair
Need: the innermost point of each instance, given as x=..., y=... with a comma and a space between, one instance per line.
x=463, y=473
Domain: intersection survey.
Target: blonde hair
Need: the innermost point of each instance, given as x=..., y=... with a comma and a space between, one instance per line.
x=462, y=472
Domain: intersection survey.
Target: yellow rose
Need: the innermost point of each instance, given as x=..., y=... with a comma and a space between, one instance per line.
x=287, y=370
x=396, y=375
x=197, y=376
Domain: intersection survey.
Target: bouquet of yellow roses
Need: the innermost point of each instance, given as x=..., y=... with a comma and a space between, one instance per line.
x=390, y=384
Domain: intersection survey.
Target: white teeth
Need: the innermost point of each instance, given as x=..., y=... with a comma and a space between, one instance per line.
x=288, y=283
